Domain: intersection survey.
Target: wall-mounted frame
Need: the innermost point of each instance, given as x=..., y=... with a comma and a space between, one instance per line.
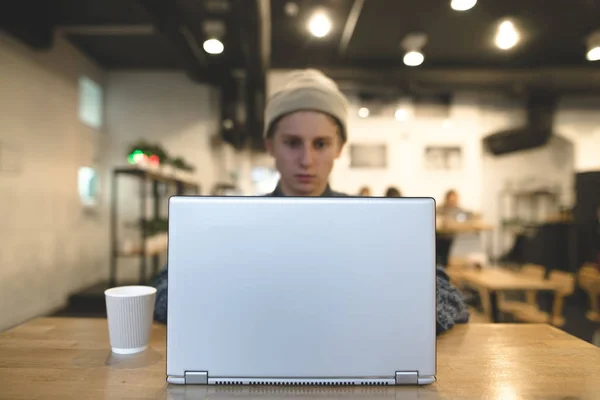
x=368, y=155
x=443, y=158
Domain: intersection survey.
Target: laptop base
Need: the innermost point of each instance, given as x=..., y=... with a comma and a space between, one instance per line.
x=401, y=378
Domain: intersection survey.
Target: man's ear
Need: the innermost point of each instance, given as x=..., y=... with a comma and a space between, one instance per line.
x=269, y=146
x=339, y=151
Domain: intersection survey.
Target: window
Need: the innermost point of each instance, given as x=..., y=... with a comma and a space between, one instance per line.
x=90, y=103
x=87, y=183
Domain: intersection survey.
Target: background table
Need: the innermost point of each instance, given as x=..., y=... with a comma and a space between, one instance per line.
x=62, y=358
x=491, y=280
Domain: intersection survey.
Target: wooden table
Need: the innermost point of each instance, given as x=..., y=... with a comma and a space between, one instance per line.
x=446, y=232
x=61, y=358
x=491, y=280
x=466, y=227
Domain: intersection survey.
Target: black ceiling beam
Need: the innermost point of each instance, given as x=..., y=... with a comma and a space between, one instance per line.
x=168, y=20
x=32, y=22
x=109, y=30
x=559, y=80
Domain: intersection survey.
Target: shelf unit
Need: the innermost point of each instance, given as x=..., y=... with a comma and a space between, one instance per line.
x=527, y=210
x=149, y=183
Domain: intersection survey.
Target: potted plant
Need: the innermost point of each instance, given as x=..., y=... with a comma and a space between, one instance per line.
x=147, y=155
x=183, y=170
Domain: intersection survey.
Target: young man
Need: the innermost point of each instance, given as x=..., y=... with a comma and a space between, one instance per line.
x=305, y=132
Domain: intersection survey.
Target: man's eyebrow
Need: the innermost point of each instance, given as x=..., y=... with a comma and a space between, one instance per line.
x=289, y=135
x=294, y=136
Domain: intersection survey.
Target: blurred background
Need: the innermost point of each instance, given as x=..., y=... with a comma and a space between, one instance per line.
x=109, y=107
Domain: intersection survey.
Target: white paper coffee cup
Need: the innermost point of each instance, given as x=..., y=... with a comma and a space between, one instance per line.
x=130, y=311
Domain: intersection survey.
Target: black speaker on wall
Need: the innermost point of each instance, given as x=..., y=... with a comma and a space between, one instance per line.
x=586, y=218
x=514, y=140
x=536, y=132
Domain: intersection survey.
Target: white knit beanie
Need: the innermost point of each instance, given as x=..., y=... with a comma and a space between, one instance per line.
x=308, y=89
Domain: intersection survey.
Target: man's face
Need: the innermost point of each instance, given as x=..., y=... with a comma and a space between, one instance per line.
x=453, y=200
x=305, y=145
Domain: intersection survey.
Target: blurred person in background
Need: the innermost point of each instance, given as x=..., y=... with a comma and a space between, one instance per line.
x=450, y=208
x=305, y=131
x=447, y=212
x=393, y=192
x=365, y=191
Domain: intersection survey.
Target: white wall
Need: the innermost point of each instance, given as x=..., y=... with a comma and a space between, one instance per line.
x=168, y=108
x=49, y=246
x=579, y=121
x=405, y=143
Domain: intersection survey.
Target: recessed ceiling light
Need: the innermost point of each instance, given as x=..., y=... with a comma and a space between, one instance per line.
x=507, y=35
x=594, y=54
x=213, y=46
x=319, y=25
x=228, y=124
x=291, y=9
x=414, y=58
x=593, y=46
x=447, y=124
x=462, y=5
x=363, y=112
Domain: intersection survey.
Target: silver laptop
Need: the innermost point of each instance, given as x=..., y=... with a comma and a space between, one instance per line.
x=301, y=291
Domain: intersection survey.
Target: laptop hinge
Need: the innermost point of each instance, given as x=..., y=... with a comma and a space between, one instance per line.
x=407, y=378
x=196, y=378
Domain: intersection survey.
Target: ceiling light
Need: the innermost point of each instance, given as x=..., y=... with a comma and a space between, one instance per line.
x=319, y=25
x=593, y=46
x=414, y=58
x=413, y=44
x=447, y=124
x=507, y=36
x=462, y=5
x=291, y=9
x=228, y=124
x=594, y=54
x=363, y=112
x=401, y=114
x=213, y=46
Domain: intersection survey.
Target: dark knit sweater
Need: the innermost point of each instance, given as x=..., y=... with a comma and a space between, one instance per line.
x=451, y=308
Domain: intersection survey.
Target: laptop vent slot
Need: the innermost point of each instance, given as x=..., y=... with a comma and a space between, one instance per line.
x=287, y=391
x=289, y=383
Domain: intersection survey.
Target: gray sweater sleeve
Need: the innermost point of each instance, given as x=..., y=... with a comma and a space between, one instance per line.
x=160, y=307
x=451, y=307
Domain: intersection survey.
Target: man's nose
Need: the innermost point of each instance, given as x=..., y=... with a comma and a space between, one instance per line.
x=308, y=156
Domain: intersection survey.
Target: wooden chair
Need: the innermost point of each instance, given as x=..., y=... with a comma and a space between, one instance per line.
x=530, y=303
x=454, y=269
x=589, y=280
x=565, y=282
x=476, y=317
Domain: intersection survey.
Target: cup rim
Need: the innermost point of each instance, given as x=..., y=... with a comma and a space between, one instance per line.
x=130, y=291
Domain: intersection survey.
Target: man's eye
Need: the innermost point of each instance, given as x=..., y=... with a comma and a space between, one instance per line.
x=293, y=143
x=320, y=144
